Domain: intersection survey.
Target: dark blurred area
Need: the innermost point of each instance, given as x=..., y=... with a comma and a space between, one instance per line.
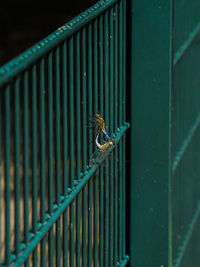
x=23, y=24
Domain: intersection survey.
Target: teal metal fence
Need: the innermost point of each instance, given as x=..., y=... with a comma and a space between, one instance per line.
x=165, y=112
x=56, y=209
x=59, y=207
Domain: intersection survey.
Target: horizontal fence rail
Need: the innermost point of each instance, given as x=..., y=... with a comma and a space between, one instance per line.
x=59, y=207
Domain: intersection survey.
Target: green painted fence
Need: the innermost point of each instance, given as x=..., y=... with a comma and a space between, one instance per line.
x=138, y=205
x=165, y=110
x=56, y=208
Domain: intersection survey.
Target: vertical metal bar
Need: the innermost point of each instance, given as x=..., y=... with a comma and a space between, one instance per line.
x=34, y=157
x=89, y=82
x=57, y=150
x=84, y=141
x=42, y=156
x=84, y=100
x=124, y=60
x=111, y=194
x=106, y=66
x=71, y=110
x=116, y=149
x=26, y=159
x=17, y=165
x=120, y=124
x=65, y=238
x=72, y=234
x=50, y=156
x=123, y=121
x=106, y=86
x=111, y=78
x=116, y=66
x=78, y=102
x=89, y=78
x=120, y=200
x=71, y=142
x=95, y=63
x=65, y=121
x=84, y=229
x=101, y=66
x=50, y=134
x=57, y=121
x=34, y=162
x=120, y=62
x=123, y=194
x=7, y=174
x=101, y=181
x=65, y=158
x=78, y=232
x=90, y=222
x=42, y=141
x=115, y=258
x=78, y=150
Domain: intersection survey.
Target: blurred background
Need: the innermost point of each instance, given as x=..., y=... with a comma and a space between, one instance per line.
x=22, y=24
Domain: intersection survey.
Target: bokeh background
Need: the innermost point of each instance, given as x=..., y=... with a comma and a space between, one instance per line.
x=23, y=24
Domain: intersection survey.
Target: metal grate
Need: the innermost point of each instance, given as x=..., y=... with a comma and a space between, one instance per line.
x=55, y=208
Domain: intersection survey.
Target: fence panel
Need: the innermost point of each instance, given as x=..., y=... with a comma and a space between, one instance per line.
x=165, y=103
x=185, y=134
x=58, y=208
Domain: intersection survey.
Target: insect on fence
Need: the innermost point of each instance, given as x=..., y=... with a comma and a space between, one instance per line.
x=102, y=148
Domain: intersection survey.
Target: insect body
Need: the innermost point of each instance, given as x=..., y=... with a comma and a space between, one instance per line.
x=101, y=125
x=100, y=122
x=105, y=146
x=102, y=148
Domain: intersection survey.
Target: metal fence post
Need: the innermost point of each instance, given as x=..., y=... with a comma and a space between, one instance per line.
x=150, y=156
